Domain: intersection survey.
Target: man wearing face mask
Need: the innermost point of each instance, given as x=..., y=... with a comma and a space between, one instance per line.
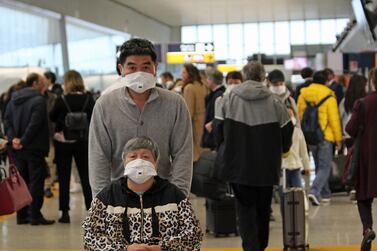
x=277, y=86
x=134, y=107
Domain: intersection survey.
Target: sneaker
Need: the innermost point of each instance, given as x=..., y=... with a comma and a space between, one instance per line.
x=314, y=200
x=369, y=236
x=326, y=200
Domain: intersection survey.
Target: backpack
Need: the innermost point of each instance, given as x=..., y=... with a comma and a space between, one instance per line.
x=76, y=123
x=310, y=123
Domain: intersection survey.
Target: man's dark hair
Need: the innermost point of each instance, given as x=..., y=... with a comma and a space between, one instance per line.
x=31, y=78
x=234, y=75
x=276, y=76
x=216, y=76
x=50, y=75
x=136, y=46
x=329, y=71
x=320, y=77
x=307, y=72
x=167, y=75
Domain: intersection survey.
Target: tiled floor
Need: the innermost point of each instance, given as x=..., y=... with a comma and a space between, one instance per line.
x=336, y=224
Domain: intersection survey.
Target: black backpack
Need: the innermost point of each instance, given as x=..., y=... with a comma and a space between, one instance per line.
x=310, y=123
x=76, y=123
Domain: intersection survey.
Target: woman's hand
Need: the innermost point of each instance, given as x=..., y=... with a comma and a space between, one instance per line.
x=143, y=247
x=154, y=248
x=138, y=247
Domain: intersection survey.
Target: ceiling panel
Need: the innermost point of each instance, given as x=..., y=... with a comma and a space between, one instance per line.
x=189, y=12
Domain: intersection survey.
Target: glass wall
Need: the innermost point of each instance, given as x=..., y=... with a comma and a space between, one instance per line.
x=91, y=49
x=235, y=42
x=29, y=39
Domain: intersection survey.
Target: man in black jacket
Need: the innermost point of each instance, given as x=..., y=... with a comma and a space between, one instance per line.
x=257, y=132
x=26, y=118
x=215, y=84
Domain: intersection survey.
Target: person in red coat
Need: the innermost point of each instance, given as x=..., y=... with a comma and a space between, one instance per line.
x=366, y=186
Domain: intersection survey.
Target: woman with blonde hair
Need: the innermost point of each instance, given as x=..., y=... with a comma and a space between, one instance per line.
x=68, y=146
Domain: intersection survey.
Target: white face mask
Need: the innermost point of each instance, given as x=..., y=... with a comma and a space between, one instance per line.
x=139, y=170
x=139, y=81
x=279, y=90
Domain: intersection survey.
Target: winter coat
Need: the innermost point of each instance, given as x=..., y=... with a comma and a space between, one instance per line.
x=208, y=139
x=162, y=215
x=328, y=112
x=257, y=131
x=366, y=186
x=26, y=118
x=194, y=95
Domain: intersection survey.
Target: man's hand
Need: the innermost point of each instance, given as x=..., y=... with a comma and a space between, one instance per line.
x=209, y=127
x=16, y=143
x=338, y=145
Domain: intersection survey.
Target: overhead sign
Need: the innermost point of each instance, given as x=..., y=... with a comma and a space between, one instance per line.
x=190, y=53
x=191, y=47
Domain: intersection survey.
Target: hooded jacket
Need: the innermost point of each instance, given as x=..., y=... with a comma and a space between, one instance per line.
x=26, y=118
x=257, y=131
x=328, y=112
x=161, y=216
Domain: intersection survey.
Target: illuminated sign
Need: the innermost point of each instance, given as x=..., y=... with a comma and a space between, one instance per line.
x=190, y=57
x=190, y=53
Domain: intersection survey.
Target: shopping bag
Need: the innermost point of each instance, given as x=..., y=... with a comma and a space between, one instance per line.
x=14, y=193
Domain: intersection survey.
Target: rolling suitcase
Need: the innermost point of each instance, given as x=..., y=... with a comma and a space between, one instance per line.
x=295, y=222
x=221, y=216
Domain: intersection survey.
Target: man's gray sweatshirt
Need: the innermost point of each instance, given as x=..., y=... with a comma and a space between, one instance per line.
x=116, y=119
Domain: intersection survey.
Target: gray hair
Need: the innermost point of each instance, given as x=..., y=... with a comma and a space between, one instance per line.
x=254, y=70
x=216, y=76
x=141, y=142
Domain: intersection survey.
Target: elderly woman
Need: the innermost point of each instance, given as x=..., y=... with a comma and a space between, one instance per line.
x=141, y=211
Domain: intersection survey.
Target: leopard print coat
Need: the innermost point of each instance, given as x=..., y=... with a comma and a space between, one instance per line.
x=162, y=215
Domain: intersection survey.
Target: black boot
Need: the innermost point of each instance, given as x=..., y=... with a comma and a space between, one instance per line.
x=65, y=217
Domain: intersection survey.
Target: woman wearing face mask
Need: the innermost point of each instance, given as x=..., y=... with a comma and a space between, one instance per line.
x=277, y=86
x=141, y=211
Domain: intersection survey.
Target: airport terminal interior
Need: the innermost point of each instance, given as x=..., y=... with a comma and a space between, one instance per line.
x=214, y=36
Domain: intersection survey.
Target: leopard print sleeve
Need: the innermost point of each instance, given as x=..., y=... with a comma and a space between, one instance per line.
x=189, y=235
x=99, y=230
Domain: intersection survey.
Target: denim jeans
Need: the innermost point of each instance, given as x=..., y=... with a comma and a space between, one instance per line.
x=322, y=154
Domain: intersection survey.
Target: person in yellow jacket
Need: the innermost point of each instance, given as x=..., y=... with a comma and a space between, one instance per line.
x=329, y=121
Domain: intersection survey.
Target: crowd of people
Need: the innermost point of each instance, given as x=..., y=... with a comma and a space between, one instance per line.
x=138, y=142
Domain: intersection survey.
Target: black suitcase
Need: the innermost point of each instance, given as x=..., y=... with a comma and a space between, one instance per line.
x=204, y=184
x=221, y=216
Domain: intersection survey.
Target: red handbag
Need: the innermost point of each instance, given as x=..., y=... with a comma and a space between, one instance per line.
x=14, y=193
